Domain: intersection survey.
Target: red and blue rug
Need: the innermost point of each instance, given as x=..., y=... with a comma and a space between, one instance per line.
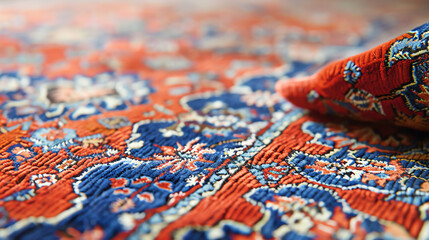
x=159, y=119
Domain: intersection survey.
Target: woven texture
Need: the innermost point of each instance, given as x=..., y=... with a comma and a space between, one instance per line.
x=159, y=119
x=386, y=83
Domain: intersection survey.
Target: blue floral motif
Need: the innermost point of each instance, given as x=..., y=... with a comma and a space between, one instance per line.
x=364, y=100
x=351, y=72
x=312, y=96
x=409, y=48
x=417, y=91
x=269, y=173
x=53, y=137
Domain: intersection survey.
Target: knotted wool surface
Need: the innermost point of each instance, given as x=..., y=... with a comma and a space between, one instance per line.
x=159, y=119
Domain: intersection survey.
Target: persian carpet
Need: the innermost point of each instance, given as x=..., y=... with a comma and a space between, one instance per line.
x=159, y=120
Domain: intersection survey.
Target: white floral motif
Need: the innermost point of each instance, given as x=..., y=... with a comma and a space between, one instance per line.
x=182, y=156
